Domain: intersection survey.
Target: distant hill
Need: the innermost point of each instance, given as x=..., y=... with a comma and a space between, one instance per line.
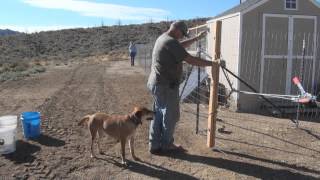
x=4, y=32
x=81, y=42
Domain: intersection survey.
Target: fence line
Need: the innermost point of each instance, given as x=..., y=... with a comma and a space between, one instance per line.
x=247, y=132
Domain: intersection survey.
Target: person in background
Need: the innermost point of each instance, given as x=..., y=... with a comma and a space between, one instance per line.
x=132, y=52
x=164, y=79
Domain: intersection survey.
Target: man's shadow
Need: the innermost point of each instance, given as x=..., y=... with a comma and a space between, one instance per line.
x=246, y=168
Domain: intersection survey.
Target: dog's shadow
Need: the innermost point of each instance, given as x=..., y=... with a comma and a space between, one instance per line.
x=148, y=169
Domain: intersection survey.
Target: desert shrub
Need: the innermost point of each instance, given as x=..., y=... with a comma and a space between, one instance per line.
x=15, y=74
x=37, y=69
x=22, y=66
x=9, y=75
x=37, y=62
x=14, y=66
x=6, y=67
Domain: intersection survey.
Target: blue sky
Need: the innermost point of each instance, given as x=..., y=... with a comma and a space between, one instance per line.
x=37, y=15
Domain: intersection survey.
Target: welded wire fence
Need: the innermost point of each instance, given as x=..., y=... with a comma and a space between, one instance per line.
x=202, y=43
x=267, y=63
x=144, y=56
x=270, y=65
x=249, y=124
x=252, y=119
x=267, y=67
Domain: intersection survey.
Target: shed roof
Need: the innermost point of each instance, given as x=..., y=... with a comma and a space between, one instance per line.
x=238, y=8
x=245, y=5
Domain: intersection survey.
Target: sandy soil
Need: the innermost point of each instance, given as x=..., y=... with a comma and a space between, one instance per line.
x=249, y=147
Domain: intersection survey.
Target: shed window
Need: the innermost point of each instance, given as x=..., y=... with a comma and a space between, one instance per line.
x=291, y=4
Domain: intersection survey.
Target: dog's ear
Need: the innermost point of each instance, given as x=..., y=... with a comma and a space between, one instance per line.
x=138, y=113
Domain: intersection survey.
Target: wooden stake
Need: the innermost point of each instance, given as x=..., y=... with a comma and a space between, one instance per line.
x=213, y=103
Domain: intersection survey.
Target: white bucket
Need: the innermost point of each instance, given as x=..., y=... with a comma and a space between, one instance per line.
x=8, y=126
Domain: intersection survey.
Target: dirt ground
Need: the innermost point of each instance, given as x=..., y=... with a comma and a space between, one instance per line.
x=249, y=147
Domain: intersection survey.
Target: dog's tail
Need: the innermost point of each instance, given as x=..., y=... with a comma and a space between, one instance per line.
x=84, y=120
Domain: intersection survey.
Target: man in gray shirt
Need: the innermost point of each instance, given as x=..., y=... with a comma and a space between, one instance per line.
x=166, y=70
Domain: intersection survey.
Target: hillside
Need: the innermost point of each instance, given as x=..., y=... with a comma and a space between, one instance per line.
x=5, y=32
x=81, y=42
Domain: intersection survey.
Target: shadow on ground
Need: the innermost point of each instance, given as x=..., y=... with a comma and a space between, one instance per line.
x=24, y=152
x=248, y=169
x=49, y=141
x=151, y=170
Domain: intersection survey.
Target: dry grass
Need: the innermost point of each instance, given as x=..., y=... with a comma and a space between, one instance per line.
x=16, y=70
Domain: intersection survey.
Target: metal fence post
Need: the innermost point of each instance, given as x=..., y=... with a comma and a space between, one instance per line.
x=198, y=93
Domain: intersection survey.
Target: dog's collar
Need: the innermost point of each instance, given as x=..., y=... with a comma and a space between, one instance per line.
x=136, y=120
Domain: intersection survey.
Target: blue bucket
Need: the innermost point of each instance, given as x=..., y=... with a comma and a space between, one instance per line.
x=31, y=124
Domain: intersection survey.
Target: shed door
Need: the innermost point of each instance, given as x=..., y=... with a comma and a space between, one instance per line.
x=303, y=66
x=275, y=55
x=282, y=44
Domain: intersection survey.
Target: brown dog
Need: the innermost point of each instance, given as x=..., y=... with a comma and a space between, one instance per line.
x=120, y=127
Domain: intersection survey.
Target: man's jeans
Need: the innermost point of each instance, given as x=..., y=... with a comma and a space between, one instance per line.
x=166, y=107
x=132, y=56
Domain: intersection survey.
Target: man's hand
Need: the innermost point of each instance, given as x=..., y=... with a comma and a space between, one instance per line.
x=222, y=63
x=201, y=34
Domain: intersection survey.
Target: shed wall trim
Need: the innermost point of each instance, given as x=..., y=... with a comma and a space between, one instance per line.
x=314, y=51
x=224, y=17
x=240, y=53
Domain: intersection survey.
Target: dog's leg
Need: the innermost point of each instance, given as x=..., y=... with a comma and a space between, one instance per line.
x=93, y=132
x=100, y=132
x=123, y=153
x=131, y=147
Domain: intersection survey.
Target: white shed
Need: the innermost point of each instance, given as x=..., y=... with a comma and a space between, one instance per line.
x=262, y=42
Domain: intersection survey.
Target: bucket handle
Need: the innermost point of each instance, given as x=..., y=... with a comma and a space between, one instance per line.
x=1, y=142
